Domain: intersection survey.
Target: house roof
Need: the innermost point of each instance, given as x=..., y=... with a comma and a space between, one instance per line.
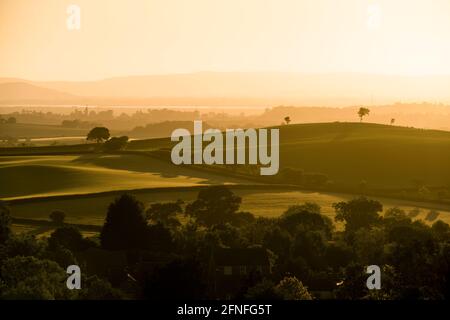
x=241, y=257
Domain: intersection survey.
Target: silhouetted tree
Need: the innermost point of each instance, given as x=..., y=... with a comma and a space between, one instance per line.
x=125, y=225
x=296, y=218
x=214, y=205
x=358, y=213
x=57, y=217
x=353, y=285
x=392, y=121
x=5, y=223
x=362, y=112
x=95, y=288
x=287, y=120
x=165, y=213
x=158, y=238
x=441, y=230
x=21, y=245
x=61, y=255
x=311, y=207
x=68, y=237
x=290, y=288
x=32, y=278
x=311, y=246
x=368, y=245
x=98, y=134
x=115, y=143
x=278, y=241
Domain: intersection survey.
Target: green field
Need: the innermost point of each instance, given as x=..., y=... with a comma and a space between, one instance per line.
x=386, y=157
x=44, y=176
x=91, y=209
x=383, y=156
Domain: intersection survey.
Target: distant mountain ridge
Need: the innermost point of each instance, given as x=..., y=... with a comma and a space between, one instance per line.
x=252, y=88
x=21, y=91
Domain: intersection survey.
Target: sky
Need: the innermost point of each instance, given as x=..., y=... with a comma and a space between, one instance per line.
x=138, y=37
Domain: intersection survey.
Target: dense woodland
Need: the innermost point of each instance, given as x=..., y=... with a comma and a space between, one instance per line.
x=165, y=251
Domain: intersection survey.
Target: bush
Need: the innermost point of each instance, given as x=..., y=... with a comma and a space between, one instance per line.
x=57, y=217
x=115, y=143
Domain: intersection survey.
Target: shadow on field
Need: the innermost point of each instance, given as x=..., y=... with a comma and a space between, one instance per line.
x=146, y=164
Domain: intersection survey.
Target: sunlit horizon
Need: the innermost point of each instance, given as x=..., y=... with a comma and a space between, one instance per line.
x=406, y=38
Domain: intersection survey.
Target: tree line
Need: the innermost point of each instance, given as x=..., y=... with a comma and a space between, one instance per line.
x=168, y=248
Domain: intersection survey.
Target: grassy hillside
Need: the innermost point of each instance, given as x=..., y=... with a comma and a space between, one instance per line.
x=31, y=176
x=383, y=156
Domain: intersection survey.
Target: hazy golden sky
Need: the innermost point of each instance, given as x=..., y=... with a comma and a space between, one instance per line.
x=130, y=37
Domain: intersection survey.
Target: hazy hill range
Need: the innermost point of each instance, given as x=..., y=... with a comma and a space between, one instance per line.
x=263, y=88
x=22, y=92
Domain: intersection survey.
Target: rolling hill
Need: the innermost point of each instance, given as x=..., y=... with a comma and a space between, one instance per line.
x=380, y=156
x=45, y=176
x=348, y=153
x=386, y=157
x=11, y=92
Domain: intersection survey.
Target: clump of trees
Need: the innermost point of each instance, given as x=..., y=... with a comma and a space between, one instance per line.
x=9, y=120
x=36, y=269
x=57, y=217
x=115, y=143
x=165, y=213
x=100, y=134
x=168, y=249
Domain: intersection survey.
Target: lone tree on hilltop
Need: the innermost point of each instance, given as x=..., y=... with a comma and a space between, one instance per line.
x=287, y=119
x=362, y=112
x=98, y=134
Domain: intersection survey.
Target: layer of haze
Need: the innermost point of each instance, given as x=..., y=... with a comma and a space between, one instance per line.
x=117, y=38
